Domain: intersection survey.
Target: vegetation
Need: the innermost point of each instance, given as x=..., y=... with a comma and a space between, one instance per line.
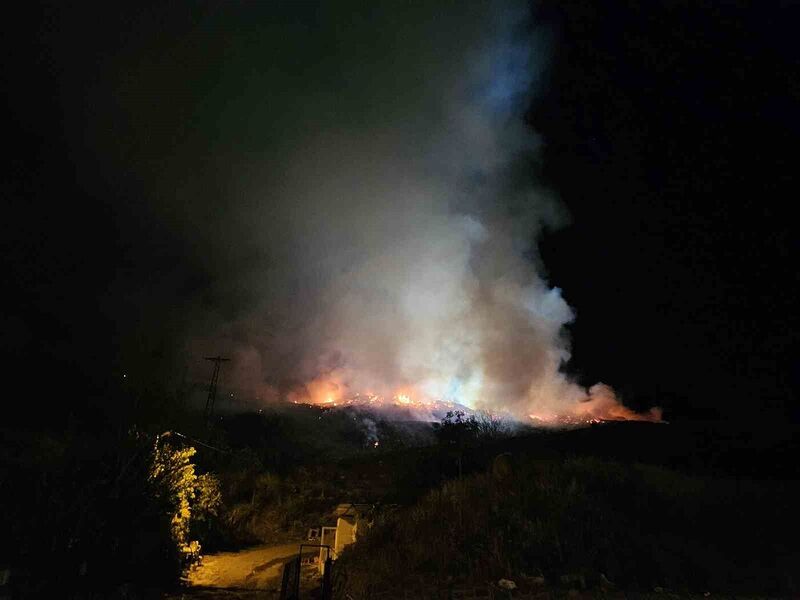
x=283, y=470
x=93, y=513
x=465, y=502
x=189, y=498
x=583, y=523
x=456, y=428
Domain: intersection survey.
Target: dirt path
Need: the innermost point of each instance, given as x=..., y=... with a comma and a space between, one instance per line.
x=256, y=568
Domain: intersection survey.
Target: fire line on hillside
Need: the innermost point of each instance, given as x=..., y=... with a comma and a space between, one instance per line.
x=593, y=410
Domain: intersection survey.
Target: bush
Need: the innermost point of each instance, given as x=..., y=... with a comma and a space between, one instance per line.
x=92, y=513
x=187, y=498
x=580, y=520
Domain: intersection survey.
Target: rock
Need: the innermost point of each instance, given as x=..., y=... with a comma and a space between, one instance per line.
x=658, y=589
x=507, y=584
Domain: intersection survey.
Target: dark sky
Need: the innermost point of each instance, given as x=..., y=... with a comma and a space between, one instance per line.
x=667, y=130
x=671, y=129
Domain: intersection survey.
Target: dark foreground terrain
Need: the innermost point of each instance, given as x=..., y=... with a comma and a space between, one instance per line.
x=618, y=509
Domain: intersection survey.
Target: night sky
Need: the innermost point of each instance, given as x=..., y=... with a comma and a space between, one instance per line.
x=670, y=130
x=666, y=130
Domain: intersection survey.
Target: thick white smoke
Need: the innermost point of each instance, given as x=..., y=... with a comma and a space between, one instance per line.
x=394, y=222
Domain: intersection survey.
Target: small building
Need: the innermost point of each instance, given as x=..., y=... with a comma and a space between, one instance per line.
x=349, y=518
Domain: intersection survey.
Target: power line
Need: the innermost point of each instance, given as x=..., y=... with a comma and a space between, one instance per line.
x=192, y=440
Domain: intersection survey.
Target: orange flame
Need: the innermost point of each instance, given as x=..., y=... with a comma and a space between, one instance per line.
x=600, y=404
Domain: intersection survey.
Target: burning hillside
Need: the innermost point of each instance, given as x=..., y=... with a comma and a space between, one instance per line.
x=600, y=404
x=400, y=402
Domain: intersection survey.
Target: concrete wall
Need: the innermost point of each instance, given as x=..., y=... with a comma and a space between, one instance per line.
x=345, y=534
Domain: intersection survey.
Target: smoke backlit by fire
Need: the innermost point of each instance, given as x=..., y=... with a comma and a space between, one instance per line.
x=390, y=241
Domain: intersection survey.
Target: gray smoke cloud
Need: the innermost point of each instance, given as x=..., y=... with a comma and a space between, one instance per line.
x=372, y=219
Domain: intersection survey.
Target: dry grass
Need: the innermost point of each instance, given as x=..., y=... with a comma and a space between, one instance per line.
x=579, y=523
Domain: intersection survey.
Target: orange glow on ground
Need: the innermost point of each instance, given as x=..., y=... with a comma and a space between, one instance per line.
x=600, y=404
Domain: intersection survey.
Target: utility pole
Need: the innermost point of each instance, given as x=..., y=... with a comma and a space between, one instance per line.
x=212, y=387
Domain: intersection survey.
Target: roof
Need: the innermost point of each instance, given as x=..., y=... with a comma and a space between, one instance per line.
x=351, y=509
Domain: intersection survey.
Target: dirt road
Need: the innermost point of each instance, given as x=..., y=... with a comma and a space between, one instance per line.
x=255, y=568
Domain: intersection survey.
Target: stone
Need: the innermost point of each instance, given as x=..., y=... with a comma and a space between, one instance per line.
x=507, y=584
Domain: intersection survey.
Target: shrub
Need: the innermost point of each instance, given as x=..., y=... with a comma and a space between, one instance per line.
x=112, y=510
x=186, y=496
x=580, y=520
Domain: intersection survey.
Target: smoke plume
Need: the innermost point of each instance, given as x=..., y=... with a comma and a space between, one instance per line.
x=373, y=222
